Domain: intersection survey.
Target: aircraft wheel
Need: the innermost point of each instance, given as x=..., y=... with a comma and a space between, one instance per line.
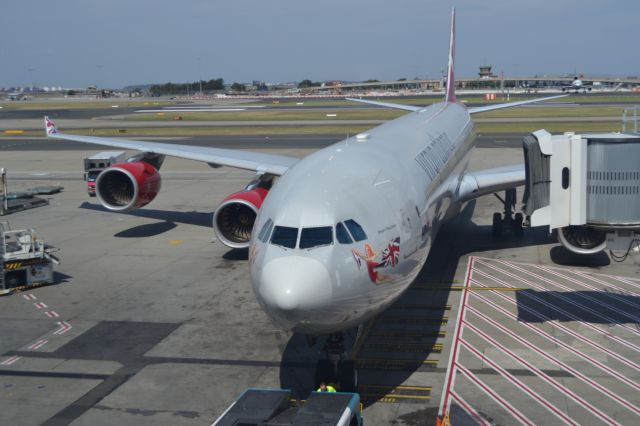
x=496, y=229
x=517, y=224
x=348, y=376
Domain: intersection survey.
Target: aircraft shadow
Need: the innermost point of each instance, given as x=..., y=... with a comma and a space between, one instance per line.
x=170, y=218
x=586, y=306
x=406, y=336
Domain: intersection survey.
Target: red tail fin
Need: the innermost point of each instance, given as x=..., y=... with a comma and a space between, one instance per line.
x=451, y=82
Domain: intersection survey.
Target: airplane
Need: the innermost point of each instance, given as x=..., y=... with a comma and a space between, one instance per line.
x=17, y=96
x=334, y=238
x=577, y=84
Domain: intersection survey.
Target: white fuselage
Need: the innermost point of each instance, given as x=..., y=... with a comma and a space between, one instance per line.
x=397, y=182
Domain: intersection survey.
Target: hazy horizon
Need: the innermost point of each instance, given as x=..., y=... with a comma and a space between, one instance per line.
x=76, y=43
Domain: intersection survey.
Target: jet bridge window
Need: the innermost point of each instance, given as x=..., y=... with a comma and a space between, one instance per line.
x=284, y=236
x=266, y=230
x=315, y=237
x=356, y=230
x=342, y=235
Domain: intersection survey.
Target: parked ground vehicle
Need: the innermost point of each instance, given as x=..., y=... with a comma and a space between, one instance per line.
x=96, y=163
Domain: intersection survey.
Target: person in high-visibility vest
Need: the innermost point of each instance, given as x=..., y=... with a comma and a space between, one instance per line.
x=326, y=388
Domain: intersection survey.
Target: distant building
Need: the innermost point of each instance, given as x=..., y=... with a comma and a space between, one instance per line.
x=485, y=72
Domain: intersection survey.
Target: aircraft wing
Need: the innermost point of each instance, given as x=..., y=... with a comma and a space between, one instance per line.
x=475, y=110
x=386, y=104
x=488, y=181
x=259, y=162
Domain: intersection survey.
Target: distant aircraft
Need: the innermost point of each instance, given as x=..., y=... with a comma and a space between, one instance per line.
x=577, y=84
x=336, y=237
x=16, y=96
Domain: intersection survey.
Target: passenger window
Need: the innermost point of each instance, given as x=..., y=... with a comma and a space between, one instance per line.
x=356, y=230
x=266, y=230
x=314, y=237
x=285, y=236
x=342, y=235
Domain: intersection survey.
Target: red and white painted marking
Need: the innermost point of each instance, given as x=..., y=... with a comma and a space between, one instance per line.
x=10, y=360
x=64, y=327
x=38, y=344
x=581, y=325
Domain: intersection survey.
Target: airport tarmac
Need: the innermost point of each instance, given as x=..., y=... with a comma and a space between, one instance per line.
x=153, y=322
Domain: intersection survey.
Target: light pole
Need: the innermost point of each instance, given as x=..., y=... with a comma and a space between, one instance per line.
x=31, y=77
x=99, y=67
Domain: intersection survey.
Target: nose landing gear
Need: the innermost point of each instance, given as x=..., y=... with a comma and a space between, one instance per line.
x=339, y=367
x=507, y=221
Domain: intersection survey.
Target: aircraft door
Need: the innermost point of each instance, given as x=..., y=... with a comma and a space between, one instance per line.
x=405, y=213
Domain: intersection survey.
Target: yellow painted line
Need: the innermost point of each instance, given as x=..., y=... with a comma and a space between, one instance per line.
x=461, y=288
x=398, y=361
x=393, y=396
x=424, y=388
x=175, y=242
x=14, y=132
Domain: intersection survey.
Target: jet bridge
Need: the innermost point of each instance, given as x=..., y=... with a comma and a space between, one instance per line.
x=587, y=187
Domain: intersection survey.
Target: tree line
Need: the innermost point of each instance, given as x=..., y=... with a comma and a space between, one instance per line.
x=184, y=88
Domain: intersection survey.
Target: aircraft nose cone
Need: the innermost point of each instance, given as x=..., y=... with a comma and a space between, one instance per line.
x=294, y=284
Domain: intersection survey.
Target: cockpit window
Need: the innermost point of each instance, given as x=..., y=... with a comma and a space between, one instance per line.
x=356, y=230
x=342, y=235
x=284, y=236
x=314, y=237
x=265, y=231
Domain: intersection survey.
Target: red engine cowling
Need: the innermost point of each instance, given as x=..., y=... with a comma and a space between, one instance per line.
x=235, y=216
x=127, y=186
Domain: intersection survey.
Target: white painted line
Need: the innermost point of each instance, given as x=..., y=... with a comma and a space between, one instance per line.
x=605, y=333
x=568, y=347
x=597, y=386
x=38, y=344
x=493, y=395
x=64, y=327
x=608, y=285
x=40, y=305
x=29, y=296
x=620, y=299
x=193, y=110
x=597, y=314
x=39, y=174
x=445, y=401
x=10, y=360
x=52, y=314
x=519, y=384
x=470, y=410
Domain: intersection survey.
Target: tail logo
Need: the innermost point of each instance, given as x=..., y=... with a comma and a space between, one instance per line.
x=50, y=126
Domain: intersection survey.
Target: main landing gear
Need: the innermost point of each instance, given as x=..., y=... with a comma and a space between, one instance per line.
x=507, y=221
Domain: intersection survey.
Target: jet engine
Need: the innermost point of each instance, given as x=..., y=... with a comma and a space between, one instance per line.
x=127, y=186
x=582, y=239
x=234, y=218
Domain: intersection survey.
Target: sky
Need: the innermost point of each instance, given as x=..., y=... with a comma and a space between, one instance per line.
x=115, y=43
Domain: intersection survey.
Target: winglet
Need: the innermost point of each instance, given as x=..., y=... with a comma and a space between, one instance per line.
x=49, y=126
x=451, y=82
